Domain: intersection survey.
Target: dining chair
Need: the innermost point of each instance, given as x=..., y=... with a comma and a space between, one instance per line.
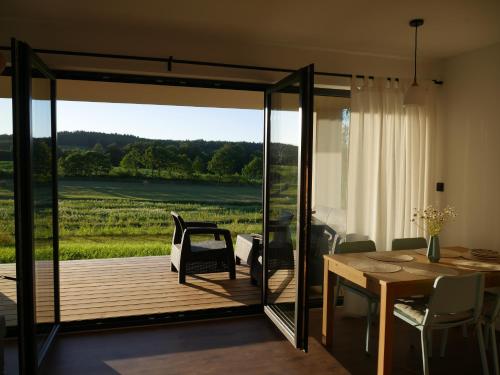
x=491, y=312
x=455, y=301
x=409, y=243
x=371, y=298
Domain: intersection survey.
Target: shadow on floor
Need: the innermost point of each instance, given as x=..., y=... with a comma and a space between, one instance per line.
x=249, y=345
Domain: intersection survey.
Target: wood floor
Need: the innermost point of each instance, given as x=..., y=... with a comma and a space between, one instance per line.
x=107, y=288
x=249, y=346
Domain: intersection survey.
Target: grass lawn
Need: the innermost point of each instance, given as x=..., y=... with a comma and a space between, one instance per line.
x=110, y=218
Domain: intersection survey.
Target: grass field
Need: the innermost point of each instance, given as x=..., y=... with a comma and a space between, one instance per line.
x=109, y=218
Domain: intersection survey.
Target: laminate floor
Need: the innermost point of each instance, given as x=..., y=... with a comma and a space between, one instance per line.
x=247, y=345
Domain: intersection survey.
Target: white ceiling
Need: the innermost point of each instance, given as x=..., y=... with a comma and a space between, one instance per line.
x=375, y=27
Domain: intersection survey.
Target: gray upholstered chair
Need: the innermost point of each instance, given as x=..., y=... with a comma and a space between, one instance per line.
x=491, y=312
x=372, y=299
x=455, y=301
x=188, y=257
x=409, y=243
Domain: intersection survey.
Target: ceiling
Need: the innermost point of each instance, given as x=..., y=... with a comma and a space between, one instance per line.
x=358, y=26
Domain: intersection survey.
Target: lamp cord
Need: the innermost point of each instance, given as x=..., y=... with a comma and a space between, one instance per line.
x=415, y=58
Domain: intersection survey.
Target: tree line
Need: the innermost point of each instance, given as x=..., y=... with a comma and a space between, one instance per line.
x=88, y=154
x=159, y=159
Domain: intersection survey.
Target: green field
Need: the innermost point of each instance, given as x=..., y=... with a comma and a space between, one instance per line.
x=109, y=218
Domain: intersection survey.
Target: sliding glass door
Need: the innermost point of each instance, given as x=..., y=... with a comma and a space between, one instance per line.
x=35, y=186
x=287, y=207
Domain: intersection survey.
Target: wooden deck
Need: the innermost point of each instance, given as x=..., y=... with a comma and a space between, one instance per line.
x=107, y=288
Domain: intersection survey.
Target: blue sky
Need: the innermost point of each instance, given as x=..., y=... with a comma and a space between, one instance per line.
x=162, y=121
x=153, y=121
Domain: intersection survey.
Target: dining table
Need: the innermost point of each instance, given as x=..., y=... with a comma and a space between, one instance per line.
x=393, y=275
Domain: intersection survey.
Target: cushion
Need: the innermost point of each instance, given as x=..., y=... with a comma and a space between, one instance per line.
x=197, y=247
x=414, y=309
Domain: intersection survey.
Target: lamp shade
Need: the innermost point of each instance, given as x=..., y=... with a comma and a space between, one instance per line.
x=3, y=62
x=414, y=96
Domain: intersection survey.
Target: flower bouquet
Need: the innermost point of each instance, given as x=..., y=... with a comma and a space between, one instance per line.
x=431, y=220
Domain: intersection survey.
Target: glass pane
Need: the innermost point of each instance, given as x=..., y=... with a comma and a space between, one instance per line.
x=8, y=297
x=43, y=203
x=285, y=133
x=329, y=183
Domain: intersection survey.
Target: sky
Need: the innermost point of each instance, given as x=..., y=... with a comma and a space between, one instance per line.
x=161, y=121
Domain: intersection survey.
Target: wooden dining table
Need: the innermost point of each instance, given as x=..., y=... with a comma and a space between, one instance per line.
x=391, y=286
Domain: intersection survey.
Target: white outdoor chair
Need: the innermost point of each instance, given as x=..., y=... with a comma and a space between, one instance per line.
x=455, y=301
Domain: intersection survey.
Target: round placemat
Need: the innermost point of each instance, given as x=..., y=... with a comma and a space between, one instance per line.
x=445, y=253
x=476, y=265
x=369, y=266
x=478, y=259
x=429, y=269
x=387, y=256
x=485, y=253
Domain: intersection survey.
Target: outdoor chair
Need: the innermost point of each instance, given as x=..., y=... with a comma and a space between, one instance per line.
x=188, y=257
x=455, y=301
x=409, y=243
x=372, y=299
x=280, y=251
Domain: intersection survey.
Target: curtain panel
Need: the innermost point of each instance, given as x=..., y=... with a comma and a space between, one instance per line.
x=391, y=161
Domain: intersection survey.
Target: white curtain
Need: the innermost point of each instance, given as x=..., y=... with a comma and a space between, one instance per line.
x=391, y=160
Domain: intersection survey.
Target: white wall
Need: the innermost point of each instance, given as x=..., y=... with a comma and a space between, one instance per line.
x=471, y=147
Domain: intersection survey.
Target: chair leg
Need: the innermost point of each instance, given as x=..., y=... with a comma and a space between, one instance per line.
x=429, y=337
x=336, y=296
x=486, y=332
x=482, y=351
x=494, y=349
x=238, y=261
x=368, y=326
x=444, y=340
x=424, y=339
x=172, y=267
x=464, y=331
x=231, y=264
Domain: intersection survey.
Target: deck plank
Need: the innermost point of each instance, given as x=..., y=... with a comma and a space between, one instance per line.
x=109, y=288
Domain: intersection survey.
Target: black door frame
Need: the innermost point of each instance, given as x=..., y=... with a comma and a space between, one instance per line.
x=166, y=81
x=305, y=80
x=23, y=59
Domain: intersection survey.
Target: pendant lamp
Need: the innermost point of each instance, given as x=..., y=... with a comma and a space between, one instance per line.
x=415, y=95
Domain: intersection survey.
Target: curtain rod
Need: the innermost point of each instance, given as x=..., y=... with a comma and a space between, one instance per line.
x=171, y=60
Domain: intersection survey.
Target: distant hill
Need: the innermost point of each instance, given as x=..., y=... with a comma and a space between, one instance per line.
x=284, y=154
x=87, y=140
x=84, y=139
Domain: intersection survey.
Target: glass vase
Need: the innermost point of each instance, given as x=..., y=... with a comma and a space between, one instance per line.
x=433, y=250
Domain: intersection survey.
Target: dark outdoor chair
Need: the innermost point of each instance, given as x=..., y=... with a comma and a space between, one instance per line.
x=188, y=257
x=371, y=298
x=280, y=250
x=280, y=254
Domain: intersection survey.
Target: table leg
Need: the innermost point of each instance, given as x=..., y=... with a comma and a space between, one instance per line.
x=329, y=279
x=386, y=330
